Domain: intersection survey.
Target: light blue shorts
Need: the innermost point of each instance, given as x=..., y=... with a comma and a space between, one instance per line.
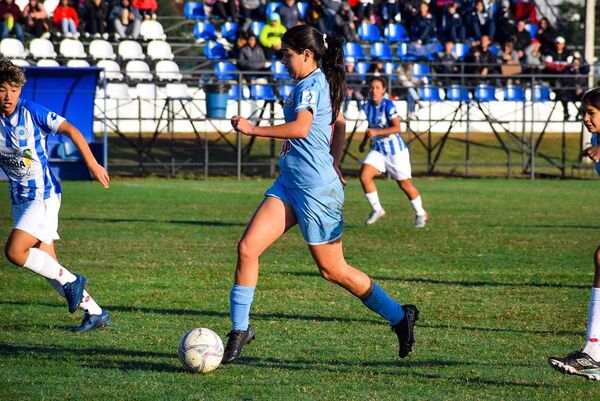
x=318, y=210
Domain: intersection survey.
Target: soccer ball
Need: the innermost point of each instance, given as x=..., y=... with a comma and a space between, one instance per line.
x=200, y=350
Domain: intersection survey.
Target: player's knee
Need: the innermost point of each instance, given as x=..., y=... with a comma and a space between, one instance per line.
x=405, y=184
x=597, y=257
x=330, y=273
x=14, y=255
x=246, y=250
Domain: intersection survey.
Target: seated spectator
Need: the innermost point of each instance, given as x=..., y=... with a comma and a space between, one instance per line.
x=95, y=18
x=66, y=20
x=437, y=8
x=332, y=7
x=225, y=9
x=344, y=24
x=147, y=8
x=447, y=64
x=365, y=10
x=251, y=10
x=481, y=60
x=508, y=54
x=240, y=41
x=390, y=11
x=423, y=29
x=533, y=57
x=35, y=19
x=270, y=36
x=12, y=19
x=125, y=20
x=252, y=57
x=573, y=85
x=525, y=10
x=504, y=23
x=479, y=22
x=316, y=14
x=289, y=13
x=559, y=59
x=522, y=38
x=409, y=84
x=452, y=27
x=546, y=34
x=354, y=83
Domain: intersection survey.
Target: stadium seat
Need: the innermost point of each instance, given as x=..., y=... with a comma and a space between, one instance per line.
x=396, y=33
x=302, y=6
x=77, y=63
x=403, y=53
x=214, y=51
x=381, y=51
x=262, y=92
x=271, y=7
x=362, y=69
x=229, y=31
x=138, y=70
x=20, y=62
x=159, y=50
x=237, y=92
x=117, y=91
x=152, y=30
x=42, y=48
x=47, y=62
x=368, y=32
x=285, y=91
x=485, y=93
x=72, y=48
x=540, y=93
x=130, y=50
x=532, y=29
x=494, y=50
x=279, y=71
x=12, y=48
x=429, y=93
x=256, y=27
x=460, y=50
x=178, y=91
x=194, y=10
x=205, y=31
x=353, y=49
x=390, y=70
x=146, y=90
x=112, y=70
x=421, y=71
x=514, y=93
x=457, y=93
x=101, y=49
x=50, y=6
x=226, y=71
x=67, y=151
x=168, y=70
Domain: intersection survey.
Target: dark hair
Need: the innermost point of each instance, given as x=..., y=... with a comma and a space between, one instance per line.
x=378, y=79
x=330, y=56
x=592, y=98
x=10, y=73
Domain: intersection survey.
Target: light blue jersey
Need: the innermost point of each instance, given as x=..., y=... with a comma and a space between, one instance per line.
x=381, y=116
x=306, y=163
x=595, y=142
x=23, y=152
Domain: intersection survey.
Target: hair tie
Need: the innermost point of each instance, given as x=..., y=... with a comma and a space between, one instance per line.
x=325, y=40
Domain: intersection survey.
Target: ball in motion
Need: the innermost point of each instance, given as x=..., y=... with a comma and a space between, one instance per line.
x=200, y=350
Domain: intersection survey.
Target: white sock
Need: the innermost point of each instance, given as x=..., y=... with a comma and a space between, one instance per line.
x=89, y=305
x=56, y=285
x=417, y=204
x=373, y=199
x=592, y=336
x=43, y=264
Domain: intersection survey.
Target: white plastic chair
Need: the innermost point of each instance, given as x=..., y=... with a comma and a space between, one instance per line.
x=145, y=90
x=72, y=48
x=50, y=6
x=46, y=62
x=77, y=63
x=138, y=70
x=19, y=62
x=151, y=29
x=117, y=91
x=12, y=48
x=178, y=91
x=101, y=49
x=112, y=70
x=42, y=48
x=130, y=50
x=159, y=50
x=167, y=70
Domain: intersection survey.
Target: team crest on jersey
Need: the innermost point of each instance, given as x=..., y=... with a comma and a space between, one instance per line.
x=21, y=131
x=308, y=97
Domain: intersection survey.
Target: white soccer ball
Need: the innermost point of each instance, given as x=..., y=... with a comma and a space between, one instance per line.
x=201, y=350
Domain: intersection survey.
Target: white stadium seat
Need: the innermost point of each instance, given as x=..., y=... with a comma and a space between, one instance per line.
x=47, y=62
x=112, y=70
x=167, y=70
x=159, y=50
x=77, y=63
x=178, y=91
x=101, y=49
x=72, y=48
x=146, y=91
x=117, y=91
x=50, y=6
x=20, y=62
x=151, y=29
x=42, y=48
x=12, y=48
x=130, y=50
x=138, y=70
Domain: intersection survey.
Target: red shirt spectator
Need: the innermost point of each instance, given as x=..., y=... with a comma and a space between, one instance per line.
x=147, y=7
x=65, y=12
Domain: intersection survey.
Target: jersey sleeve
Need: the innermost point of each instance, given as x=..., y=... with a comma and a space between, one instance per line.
x=45, y=119
x=306, y=97
x=391, y=111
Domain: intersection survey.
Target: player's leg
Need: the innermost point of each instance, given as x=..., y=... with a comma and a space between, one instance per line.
x=372, y=167
x=399, y=168
x=587, y=361
x=270, y=221
x=330, y=260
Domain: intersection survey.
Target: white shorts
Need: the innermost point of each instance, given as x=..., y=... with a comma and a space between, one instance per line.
x=38, y=218
x=397, y=165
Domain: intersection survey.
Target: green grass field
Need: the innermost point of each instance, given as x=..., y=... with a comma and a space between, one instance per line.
x=501, y=274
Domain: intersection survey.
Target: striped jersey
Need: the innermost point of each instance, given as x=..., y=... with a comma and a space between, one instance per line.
x=381, y=116
x=596, y=142
x=23, y=152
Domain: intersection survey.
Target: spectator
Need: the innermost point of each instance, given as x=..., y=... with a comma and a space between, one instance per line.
x=423, y=29
x=452, y=27
x=525, y=10
x=252, y=56
x=533, y=57
x=481, y=60
x=344, y=24
x=390, y=11
x=240, y=41
x=572, y=87
x=447, y=64
x=289, y=13
x=12, y=19
x=546, y=34
x=126, y=20
x=508, y=55
x=559, y=59
x=225, y=9
x=147, y=8
x=437, y=9
x=479, y=22
x=66, y=20
x=522, y=38
x=270, y=36
x=504, y=23
x=332, y=7
x=95, y=18
x=35, y=19
x=354, y=83
x=409, y=84
x=365, y=10
x=316, y=14
x=251, y=10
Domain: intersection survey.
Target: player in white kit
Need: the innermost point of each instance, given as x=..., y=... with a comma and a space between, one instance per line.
x=388, y=153
x=35, y=194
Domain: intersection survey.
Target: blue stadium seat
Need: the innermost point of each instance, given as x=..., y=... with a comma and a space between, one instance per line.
x=485, y=93
x=205, y=30
x=194, y=10
x=457, y=93
x=214, y=51
x=302, y=6
x=532, y=29
x=494, y=50
x=540, y=93
x=256, y=27
x=514, y=93
x=429, y=93
x=362, y=68
x=369, y=32
x=396, y=33
x=390, y=70
x=271, y=7
x=421, y=71
x=403, y=53
x=262, y=92
x=285, y=90
x=67, y=151
x=353, y=49
x=229, y=31
x=460, y=50
x=236, y=92
x=226, y=71
x=279, y=71
x=381, y=51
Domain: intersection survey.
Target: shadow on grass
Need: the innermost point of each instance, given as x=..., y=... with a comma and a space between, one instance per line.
x=558, y=226
x=212, y=223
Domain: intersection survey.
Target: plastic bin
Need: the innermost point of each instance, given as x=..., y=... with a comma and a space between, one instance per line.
x=216, y=100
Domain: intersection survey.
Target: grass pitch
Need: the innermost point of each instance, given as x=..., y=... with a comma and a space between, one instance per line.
x=501, y=274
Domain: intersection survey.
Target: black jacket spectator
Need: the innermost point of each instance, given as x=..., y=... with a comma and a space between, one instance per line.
x=522, y=38
x=251, y=57
x=482, y=61
x=546, y=35
x=423, y=29
x=95, y=17
x=289, y=13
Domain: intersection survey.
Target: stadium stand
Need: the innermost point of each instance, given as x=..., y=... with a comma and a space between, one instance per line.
x=42, y=48
x=47, y=63
x=159, y=50
x=72, y=48
x=101, y=49
x=12, y=48
x=152, y=30
x=130, y=50
x=112, y=70
x=167, y=70
x=138, y=70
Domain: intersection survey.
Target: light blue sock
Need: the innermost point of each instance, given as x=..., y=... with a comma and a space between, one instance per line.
x=380, y=302
x=241, y=300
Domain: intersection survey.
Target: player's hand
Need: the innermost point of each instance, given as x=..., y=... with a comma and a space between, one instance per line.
x=371, y=133
x=99, y=173
x=240, y=124
x=340, y=175
x=593, y=152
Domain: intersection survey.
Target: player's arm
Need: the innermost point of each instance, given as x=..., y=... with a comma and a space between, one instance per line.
x=96, y=170
x=337, y=144
x=392, y=129
x=593, y=152
x=297, y=129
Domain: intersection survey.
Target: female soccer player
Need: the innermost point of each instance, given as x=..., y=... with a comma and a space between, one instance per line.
x=35, y=193
x=587, y=361
x=388, y=153
x=308, y=191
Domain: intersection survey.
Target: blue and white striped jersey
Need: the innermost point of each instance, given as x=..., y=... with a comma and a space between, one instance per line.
x=596, y=142
x=381, y=116
x=23, y=152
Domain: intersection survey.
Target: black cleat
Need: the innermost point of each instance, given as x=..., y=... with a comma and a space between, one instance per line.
x=405, y=330
x=237, y=339
x=577, y=363
x=74, y=292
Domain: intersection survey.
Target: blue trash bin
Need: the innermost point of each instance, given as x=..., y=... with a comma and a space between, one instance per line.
x=216, y=100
